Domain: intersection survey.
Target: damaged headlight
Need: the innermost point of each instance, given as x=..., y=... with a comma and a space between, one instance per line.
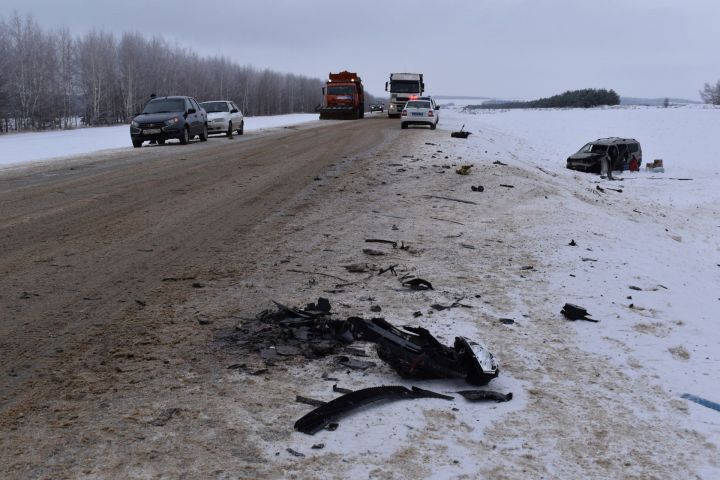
x=172, y=121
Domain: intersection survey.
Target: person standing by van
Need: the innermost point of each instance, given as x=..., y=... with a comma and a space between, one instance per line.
x=607, y=162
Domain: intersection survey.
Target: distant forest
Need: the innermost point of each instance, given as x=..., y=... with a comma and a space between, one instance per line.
x=586, y=98
x=50, y=79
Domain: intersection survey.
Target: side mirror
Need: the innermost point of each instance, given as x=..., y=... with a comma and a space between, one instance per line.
x=437, y=107
x=386, y=85
x=234, y=110
x=191, y=111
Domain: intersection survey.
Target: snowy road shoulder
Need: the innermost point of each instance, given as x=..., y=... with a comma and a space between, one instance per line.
x=25, y=148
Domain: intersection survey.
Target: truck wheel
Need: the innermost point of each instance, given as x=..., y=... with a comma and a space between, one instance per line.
x=241, y=130
x=203, y=134
x=229, y=130
x=184, y=137
x=137, y=143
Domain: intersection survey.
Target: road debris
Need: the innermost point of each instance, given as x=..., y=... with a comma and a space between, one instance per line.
x=572, y=243
x=480, y=395
x=414, y=353
x=461, y=133
x=575, y=312
x=506, y=185
x=479, y=188
x=417, y=284
x=354, y=363
x=295, y=453
x=309, y=401
x=371, y=252
x=324, y=415
x=378, y=240
x=701, y=401
x=464, y=170
x=450, y=199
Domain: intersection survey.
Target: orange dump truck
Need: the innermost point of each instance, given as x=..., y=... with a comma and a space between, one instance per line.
x=343, y=97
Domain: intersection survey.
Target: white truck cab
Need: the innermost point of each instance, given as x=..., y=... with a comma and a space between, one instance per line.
x=403, y=87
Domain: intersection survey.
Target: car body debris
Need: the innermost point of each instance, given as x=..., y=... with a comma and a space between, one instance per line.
x=461, y=133
x=324, y=415
x=481, y=395
x=417, y=284
x=575, y=312
x=414, y=353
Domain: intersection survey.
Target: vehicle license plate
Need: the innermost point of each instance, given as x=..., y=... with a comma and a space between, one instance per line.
x=151, y=131
x=417, y=114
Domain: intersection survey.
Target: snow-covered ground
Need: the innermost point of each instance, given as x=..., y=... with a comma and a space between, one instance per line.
x=23, y=148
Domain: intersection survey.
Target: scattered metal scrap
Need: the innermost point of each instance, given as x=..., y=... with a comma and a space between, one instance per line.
x=324, y=415
x=575, y=312
x=461, y=133
x=414, y=353
x=417, y=284
x=450, y=199
x=378, y=240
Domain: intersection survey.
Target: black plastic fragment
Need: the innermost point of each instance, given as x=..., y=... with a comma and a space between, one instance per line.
x=334, y=409
x=480, y=395
x=575, y=312
x=418, y=284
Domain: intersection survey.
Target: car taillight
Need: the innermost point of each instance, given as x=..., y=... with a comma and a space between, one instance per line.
x=413, y=97
x=430, y=113
x=404, y=113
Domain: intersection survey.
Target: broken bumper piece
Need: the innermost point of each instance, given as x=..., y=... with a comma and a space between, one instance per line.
x=325, y=414
x=414, y=353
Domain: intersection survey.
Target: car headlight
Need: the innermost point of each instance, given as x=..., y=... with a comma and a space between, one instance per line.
x=172, y=121
x=135, y=124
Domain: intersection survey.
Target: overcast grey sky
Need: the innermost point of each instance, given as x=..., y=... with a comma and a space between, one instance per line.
x=520, y=49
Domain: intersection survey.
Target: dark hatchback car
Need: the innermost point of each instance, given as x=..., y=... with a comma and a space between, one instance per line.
x=165, y=118
x=587, y=159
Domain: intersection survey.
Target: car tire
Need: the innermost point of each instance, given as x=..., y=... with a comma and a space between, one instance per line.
x=432, y=126
x=203, y=134
x=403, y=126
x=185, y=137
x=241, y=130
x=137, y=143
x=229, y=130
x=161, y=142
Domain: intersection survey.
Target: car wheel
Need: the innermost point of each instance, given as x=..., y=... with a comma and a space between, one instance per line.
x=203, y=134
x=161, y=142
x=432, y=126
x=229, y=130
x=137, y=143
x=241, y=130
x=403, y=126
x=184, y=138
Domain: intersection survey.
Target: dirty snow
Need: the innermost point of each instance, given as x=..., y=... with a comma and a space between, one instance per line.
x=591, y=400
x=23, y=148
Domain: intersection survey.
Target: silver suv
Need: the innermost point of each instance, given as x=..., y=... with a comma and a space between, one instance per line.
x=587, y=159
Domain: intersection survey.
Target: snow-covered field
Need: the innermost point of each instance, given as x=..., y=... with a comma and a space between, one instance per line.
x=23, y=148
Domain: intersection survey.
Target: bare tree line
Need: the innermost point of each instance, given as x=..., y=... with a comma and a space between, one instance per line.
x=54, y=80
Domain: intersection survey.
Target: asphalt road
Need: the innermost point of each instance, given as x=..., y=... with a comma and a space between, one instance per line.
x=84, y=241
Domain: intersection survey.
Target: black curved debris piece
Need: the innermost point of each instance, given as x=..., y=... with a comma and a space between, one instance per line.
x=324, y=415
x=414, y=353
x=461, y=133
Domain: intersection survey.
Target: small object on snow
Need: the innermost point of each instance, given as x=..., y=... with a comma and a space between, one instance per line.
x=588, y=259
x=390, y=269
x=633, y=287
x=498, y=162
x=371, y=252
x=378, y=240
x=294, y=453
x=198, y=285
x=479, y=395
x=464, y=170
x=439, y=307
x=461, y=133
x=506, y=185
x=468, y=246
x=318, y=446
x=701, y=401
x=357, y=268
x=322, y=416
x=337, y=389
x=450, y=199
x=309, y=401
x=599, y=189
x=417, y=314
x=376, y=308
x=572, y=243
x=506, y=321
x=479, y=188
x=418, y=284
x=527, y=267
x=575, y=312
x=164, y=417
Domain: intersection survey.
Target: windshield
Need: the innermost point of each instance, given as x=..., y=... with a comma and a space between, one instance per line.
x=211, y=107
x=165, y=105
x=405, y=86
x=593, y=148
x=416, y=104
x=340, y=90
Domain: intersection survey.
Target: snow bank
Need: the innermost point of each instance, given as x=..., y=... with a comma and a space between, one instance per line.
x=22, y=148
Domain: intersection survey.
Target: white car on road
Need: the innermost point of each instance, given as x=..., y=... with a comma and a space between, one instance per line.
x=223, y=116
x=420, y=112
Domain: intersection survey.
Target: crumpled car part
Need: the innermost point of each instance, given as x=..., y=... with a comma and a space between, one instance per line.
x=414, y=353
